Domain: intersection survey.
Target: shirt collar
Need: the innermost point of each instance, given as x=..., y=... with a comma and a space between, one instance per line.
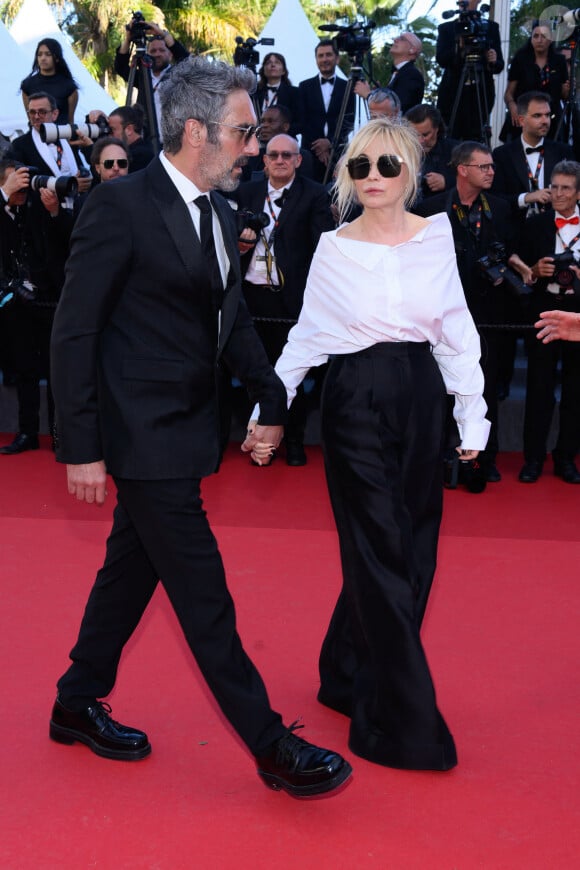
x=185, y=187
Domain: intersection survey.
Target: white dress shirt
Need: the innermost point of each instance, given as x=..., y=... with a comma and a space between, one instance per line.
x=360, y=293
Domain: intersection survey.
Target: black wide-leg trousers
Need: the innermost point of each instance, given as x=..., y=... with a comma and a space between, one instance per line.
x=383, y=415
x=160, y=532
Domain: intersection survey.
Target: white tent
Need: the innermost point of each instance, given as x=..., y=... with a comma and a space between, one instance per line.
x=34, y=22
x=294, y=37
x=15, y=66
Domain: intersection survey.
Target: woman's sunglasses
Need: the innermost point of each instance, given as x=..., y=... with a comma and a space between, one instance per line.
x=389, y=165
x=122, y=163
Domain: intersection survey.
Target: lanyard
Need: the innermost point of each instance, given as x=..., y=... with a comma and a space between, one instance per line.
x=534, y=179
x=269, y=247
x=471, y=220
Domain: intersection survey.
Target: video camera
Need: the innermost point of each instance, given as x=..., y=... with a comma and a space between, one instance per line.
x=50, y=133
x=471, y=30
x=354, y=38
x=138, y=28
x=495, y=268
x=245, y=53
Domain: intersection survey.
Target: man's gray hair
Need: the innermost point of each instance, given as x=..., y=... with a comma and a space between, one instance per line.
x=379, y=95
x=198, y=88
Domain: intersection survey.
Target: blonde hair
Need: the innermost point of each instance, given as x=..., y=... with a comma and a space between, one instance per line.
x=399, y=137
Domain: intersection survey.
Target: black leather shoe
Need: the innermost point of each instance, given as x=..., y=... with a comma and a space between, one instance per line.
x=492, y=474
x=94, y=727
x=566, y=469
x=21, y=443
x=295, y=453
x=530, y=471
x=300, y=768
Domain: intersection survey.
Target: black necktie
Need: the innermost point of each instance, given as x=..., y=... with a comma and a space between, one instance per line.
x=208, y=247
x=324, y=81
x=537, y=150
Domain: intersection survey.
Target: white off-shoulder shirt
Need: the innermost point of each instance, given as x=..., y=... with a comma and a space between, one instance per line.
x=361, y=293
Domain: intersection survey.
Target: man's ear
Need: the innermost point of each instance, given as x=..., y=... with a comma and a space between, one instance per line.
x=195, y=132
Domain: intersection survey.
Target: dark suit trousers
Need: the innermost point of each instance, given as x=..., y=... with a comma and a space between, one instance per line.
x=29, y=329
x=160, y=531
x=383, y=415
x=540, y=399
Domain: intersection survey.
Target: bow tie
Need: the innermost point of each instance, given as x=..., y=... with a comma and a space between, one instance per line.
x=537, y=150
x=273, y=88
x=329, y=81
x=561, y=222
x=281, y=199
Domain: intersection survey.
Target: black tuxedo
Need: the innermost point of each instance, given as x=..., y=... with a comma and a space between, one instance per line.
x=286, y=95
x=409, y=86
x=313, y=116
x=512, y=173
x=467, y=119
x=538, y=239
x=135, y=353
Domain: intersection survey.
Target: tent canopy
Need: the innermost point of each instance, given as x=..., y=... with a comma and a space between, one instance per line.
x=15, y=66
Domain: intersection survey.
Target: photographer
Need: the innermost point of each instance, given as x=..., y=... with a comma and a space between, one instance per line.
x=126, y=123
x=162, y=48
x=59, y=158
x=437, y=174
x=480, y=37
x=551, y=241
x=34, y=236
x=479, y=221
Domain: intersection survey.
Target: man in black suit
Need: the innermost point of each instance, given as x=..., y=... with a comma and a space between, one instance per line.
x=299, y=211
x=544, y=240
x=524, y=165
x=151, y=305
x=437, y=173
x=319, y=100
x=406, y=80
x=458, y=41
x=58, y=158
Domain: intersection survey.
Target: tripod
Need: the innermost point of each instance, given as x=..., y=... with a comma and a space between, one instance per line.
x=472, y=78
x=361, y=114
x=141, y=66
x=568, y=129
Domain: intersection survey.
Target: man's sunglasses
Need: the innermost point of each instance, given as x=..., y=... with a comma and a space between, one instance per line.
x=285, y=155
x=389, y=165
x=122, y=163
x=248, y=130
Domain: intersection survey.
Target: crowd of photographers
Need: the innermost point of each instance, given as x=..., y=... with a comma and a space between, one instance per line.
x=513, y=211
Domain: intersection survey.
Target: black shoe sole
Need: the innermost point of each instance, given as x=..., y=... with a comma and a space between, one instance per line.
x=69, y=736
x=277, y=783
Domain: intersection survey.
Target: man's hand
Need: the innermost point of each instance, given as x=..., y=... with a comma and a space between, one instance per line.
x=491, y=56
x=16, y=181
x=544, y=196
x=322, y=148
x=87, y=482
x=558, y=325
x=362, y=89
x=435, y=181
x=84, y=182
x=467, y=455
x=544, y=268
x=262, y=441
x=49, y=200
x=247, y=240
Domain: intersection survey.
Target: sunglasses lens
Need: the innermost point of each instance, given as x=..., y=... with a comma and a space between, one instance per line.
x=359, y=167
x=122, y=163
x=389, y=166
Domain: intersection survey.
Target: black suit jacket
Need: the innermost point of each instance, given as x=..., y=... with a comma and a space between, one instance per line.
x=487, y=304
x=287, y=96
x=313, y=116
x=409, y=86
x=303, y=217
x=135, y=348
x=511, y=170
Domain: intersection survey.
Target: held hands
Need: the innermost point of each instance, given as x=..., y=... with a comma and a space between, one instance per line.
x=262, y=441
x=467, y=455
x=87, y=482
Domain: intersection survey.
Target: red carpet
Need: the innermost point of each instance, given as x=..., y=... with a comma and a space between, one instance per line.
x=502, y=637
